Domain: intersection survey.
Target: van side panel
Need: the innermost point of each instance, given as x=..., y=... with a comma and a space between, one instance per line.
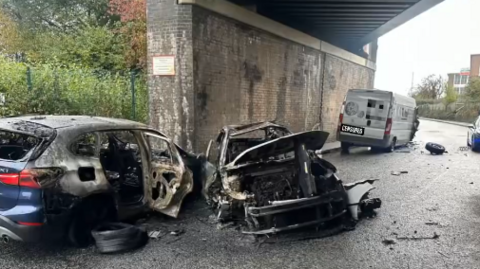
x=402, y=118
x=368, y=109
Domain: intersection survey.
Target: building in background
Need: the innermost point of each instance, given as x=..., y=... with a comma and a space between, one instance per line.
x=475, y=65
x=460, y=80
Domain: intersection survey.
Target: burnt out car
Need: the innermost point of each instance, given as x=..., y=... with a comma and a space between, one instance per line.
x=62, y=175
x=271, y=178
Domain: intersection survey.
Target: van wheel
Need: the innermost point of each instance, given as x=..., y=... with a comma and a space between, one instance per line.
x=391, y=148
x=345, y=147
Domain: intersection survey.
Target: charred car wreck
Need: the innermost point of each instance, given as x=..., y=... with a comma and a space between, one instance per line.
x=272, y=179
x=61, y=176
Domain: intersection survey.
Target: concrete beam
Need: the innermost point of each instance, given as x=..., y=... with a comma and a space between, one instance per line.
x=248, y=17
x=402, y=18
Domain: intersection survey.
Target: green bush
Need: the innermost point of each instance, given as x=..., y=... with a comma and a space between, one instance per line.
x=72, y=91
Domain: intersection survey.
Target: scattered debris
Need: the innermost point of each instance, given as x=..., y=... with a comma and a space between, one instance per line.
x=177, y=232
x=388, y=242
x=155, y=234
x=221, y=226
x=442, y=254
x=431, y=223
x=397, y=173
x=435, y=208
x=471, y=182
x=435, y=236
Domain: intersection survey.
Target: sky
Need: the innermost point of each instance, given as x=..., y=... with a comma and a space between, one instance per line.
x=438, y=41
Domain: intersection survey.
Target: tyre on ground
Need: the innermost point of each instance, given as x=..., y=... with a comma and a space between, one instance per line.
x=435, y=148
x=118, y=237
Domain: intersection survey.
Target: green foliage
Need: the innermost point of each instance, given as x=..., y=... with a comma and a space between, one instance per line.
x=468, y=112
x=92, y=47
x=72, y=91
x=58, y=15
x=473, y=89
x=450, y=96
x=431, y=87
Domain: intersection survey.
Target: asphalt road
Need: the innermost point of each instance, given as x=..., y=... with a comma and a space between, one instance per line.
x=439, y=195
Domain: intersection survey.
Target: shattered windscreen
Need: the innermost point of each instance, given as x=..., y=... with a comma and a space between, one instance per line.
x=16, y=146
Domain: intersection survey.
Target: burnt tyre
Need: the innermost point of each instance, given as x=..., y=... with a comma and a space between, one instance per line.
x=118, y=237
x=435, y=148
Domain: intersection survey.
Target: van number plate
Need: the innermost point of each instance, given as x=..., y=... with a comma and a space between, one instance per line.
x=352, y=129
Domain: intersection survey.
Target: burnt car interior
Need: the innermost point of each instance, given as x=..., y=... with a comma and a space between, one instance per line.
x=120, y=158
x=245, y=140
x=15, y=146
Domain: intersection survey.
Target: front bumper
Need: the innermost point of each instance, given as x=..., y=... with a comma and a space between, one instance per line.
x=298, y=213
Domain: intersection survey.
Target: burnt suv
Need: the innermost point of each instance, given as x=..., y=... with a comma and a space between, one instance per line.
x=272, y=178
x=62, y=175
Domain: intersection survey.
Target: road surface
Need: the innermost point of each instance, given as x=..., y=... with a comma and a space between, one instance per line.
x=440, y=195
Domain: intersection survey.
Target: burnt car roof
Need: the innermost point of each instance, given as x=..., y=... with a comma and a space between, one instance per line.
x=44, y=124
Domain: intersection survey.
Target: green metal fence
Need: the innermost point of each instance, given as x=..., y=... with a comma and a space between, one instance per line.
x=48, y=90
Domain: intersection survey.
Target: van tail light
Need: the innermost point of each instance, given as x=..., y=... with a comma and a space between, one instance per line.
x=29, y=178
x=340, y=119
x=388, y=127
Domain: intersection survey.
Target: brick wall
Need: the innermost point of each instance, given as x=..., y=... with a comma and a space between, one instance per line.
x=231, y=73
x=339, y=77
x=245, y=75
x=171, y=98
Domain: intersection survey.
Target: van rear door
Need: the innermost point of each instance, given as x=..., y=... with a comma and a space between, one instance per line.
x=367, y=110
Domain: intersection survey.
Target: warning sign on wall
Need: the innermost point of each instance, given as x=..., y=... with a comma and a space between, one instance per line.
x=164, y=65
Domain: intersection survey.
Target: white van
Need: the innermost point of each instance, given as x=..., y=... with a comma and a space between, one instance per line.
x=377, y=119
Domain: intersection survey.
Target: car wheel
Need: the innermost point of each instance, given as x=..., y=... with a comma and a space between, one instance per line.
x=85, y=219
x=435, y=148
x=391, y=148
x=345, y=147
x=118, y=237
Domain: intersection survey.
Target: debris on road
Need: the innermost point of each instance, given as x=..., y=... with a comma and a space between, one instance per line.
x=156, y=234
x=388, y=242
x=431, y=223
x=435, y=236
x=177, y=232
x=471, y=182
x=397, y=173
x=435, y=148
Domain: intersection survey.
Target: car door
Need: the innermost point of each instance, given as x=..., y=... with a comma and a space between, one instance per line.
x=168, y=180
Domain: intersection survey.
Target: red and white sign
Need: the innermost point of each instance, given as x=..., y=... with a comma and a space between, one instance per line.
x=465, y=72
x=164, y=65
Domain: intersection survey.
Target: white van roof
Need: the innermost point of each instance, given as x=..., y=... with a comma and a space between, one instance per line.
x=398, y=98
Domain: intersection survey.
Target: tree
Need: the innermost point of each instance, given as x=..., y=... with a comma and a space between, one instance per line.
x=133, y=28
x=57, y=15
x=472, y=91
x=431, y=87
x=450, y=96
